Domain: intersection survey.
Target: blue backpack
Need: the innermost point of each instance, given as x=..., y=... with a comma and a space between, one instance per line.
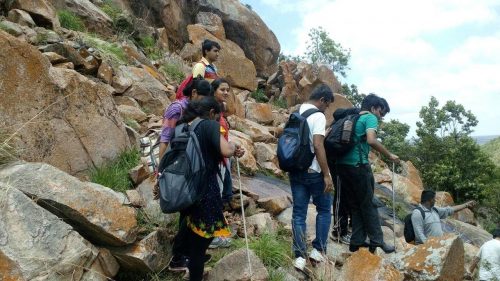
x=294, y=151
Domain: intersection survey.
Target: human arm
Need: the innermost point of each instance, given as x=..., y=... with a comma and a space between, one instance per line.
x=473, y=265
x=319, y=151
x=418, y=226
x=463, y=206
x=371, y=139
x=229, y=149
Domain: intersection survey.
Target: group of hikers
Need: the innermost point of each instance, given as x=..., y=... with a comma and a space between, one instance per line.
x=201, y=102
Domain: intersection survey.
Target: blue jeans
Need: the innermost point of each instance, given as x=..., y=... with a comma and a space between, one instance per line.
x=304, y=186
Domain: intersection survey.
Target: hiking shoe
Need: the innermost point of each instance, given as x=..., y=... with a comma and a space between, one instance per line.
x=177, y=264
x=316, y=256
x=346, y=239
x=387, y=248
x=220, y=242
x=300, y=263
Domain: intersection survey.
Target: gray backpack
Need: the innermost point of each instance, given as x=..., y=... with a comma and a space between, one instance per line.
x=182, y=172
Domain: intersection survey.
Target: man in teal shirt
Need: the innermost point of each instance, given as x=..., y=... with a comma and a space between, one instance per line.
x=357, y=178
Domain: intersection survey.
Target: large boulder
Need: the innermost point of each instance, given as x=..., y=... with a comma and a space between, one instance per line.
x=41, y=11
x=212, y=23
x=364, y=266
x=82, y=60
x=64, y=118
x=261, y=223
x=149, y=254
x=150, y=93
x=440, y=258
x=290, y=91
x=94, y=18
x=257, y=132
x=244, y=27
x=234, y=105
x=247, y=161
x=412, y=174
x=241, y=74
x=97, y=212
x=274, y=205
x=37, y=245
x=475, y=235
x=234, y=267
x=21, y=17
x=314, y=75
x=259, y=112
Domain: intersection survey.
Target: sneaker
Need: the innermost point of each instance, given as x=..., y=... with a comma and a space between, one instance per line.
x=316, y=256
x=387, y=248
x=300, y=263
x=346, y=239
x=178, y=264
x=220, y=242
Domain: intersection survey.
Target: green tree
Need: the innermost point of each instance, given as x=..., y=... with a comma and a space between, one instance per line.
x=283, y=57
x=352, y=94
x=323, y=49
x=447, y=156
x=394, y=137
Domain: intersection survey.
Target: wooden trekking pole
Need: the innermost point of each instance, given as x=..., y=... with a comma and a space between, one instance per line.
x=243, y=216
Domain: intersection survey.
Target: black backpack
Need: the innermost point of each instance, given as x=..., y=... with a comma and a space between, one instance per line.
x=340, y=139
x=409, y=232
x=182, y=170
x=294, y=151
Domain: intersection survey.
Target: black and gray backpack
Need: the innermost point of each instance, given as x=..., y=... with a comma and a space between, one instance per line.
x=182, y=170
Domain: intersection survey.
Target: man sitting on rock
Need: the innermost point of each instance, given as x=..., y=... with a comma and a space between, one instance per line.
x=430, y=226
x=488, y=258
x=205, y=68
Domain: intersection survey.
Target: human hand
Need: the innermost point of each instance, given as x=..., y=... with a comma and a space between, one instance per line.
x=239, y=151
x=328, y=183
x=470, y=204
x=394, y=158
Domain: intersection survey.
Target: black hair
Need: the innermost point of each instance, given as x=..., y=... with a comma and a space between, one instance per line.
x=201, y=86
x=322, y=91
x=496, y=233
x=427, y=195
x=217, y=82
x=200, y=108
x=370, y=101
x=385, y=107
x=207, y=46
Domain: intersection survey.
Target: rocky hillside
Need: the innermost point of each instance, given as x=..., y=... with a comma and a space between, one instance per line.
x=82, y=81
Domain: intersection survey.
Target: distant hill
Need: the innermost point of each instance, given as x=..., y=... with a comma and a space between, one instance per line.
x=484, y=139
x=492, y=148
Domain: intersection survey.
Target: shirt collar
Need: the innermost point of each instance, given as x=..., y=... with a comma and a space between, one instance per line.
x=205, y=61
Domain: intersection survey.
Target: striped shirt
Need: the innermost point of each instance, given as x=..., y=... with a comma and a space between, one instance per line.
x=170, y=117
x=206, y=70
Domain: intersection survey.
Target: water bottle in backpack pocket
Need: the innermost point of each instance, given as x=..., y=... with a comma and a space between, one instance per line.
x=182, y=170
x=341, y=137
x=294, y=145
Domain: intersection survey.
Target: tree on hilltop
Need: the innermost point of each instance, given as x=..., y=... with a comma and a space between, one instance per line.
x=323, y=49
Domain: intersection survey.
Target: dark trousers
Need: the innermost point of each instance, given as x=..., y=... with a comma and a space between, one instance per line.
x=197, y=247
x=340, y=208
x=227, y=190
x=359, y=183
x=179, y=247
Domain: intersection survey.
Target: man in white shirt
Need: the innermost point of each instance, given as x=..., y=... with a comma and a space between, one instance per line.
x=315, y=182
x=488, y=259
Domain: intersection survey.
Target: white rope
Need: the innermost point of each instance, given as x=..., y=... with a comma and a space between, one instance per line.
x=393, y=205
x=244, y=220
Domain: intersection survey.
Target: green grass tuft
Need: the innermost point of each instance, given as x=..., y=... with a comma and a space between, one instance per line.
x=111, y=9
x=115, y=173
x=173, y=71
x=70, y=20
x=281, y=103
x=111, y=51
x=259, y=96
x=271, y=248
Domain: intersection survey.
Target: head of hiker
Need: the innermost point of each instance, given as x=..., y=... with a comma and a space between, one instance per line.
x=210, y=50
x=204, y=107
x=321, y=97
x=221, y=89
x=428, y=198
x=386, y=109
x=374, y=104
x=197, y=89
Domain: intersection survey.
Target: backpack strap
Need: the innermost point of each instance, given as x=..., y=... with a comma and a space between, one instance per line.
x=422, y=212
x=309, y=112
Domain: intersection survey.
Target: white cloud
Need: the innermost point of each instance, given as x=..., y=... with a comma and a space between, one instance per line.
x=397, y=51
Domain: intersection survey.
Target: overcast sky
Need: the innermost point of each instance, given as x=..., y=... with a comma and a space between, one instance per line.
x=406, y=51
